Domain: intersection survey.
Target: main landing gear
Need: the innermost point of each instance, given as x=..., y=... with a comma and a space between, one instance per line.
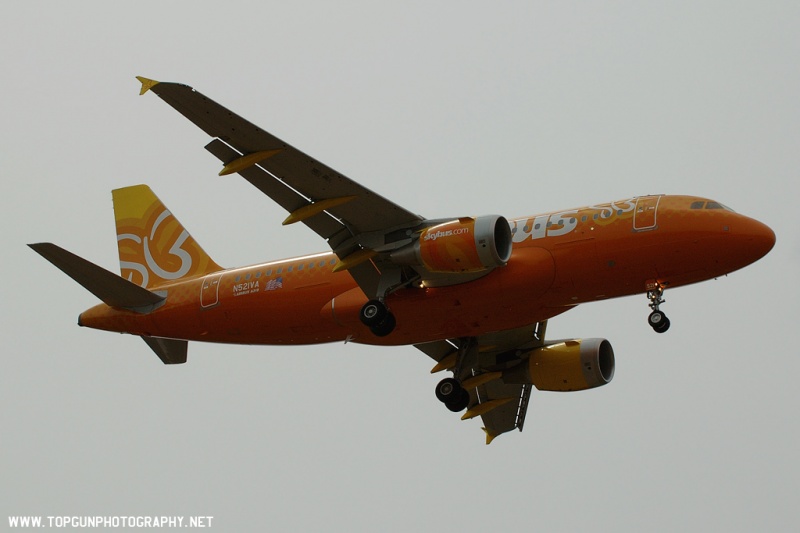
x=377, y=317
x=450, y=392
x=657, y=319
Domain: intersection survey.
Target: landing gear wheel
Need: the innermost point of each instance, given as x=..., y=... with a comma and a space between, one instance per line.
x=384, y=327
x=448, y=390
x=656, y=318
x=663, y=327
x=658, y=321
x=373, y=313
x=461, y=403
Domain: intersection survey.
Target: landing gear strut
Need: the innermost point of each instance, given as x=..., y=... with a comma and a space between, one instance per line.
x=657, y=319
x=377, y=317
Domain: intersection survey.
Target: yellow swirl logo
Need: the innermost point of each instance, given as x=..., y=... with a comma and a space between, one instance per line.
x=159, y=251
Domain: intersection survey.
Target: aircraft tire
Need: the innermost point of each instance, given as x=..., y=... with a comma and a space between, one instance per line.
x=656, y=318
x=373, y=313
x=663, y=326
x=460, y=404
x=385, y=327
x=448, y=390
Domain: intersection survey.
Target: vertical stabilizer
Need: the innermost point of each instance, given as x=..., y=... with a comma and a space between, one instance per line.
x=154, y=248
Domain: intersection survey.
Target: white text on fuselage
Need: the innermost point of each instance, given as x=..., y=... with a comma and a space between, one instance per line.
x=240, y=289
x=557, y=224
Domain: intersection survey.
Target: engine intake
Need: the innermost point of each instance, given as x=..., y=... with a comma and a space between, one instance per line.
x=571, y=365
x=462, y=245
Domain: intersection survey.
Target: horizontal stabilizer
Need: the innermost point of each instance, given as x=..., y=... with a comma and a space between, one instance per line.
x=170, y=351
x=112, y=289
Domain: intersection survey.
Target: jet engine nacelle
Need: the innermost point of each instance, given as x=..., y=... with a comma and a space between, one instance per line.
x=571, y=365
x=462, y=245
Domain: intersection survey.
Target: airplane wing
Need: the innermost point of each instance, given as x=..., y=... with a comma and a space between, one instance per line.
x=478, y=363
x=356, y=222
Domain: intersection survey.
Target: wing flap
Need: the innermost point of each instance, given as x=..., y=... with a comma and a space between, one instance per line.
x=506, y=416
x=437, y=350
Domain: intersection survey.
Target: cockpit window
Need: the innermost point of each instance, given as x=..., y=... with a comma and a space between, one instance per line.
x=717, y=205
x=710, y=205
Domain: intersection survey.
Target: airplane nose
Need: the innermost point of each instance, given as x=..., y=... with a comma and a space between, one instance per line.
x=757, y=237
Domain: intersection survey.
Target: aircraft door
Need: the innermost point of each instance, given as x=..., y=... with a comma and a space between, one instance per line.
x=209, y=294
x=644, y=217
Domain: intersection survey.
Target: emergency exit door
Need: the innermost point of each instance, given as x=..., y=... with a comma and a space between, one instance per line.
x=645, y=215
x=209, y=294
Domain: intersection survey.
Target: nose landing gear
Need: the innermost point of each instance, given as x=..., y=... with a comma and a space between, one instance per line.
x=657, y=319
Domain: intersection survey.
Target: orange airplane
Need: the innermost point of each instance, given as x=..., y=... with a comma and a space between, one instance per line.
x=472, y=292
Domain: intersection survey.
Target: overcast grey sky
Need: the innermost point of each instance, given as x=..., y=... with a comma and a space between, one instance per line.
x=447, y=108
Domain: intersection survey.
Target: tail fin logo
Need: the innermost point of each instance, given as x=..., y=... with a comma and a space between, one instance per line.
x=175, y=257
x=154, y=248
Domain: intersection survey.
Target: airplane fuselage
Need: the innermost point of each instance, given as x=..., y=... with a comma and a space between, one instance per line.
x=559, y=260
x=474, y=293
